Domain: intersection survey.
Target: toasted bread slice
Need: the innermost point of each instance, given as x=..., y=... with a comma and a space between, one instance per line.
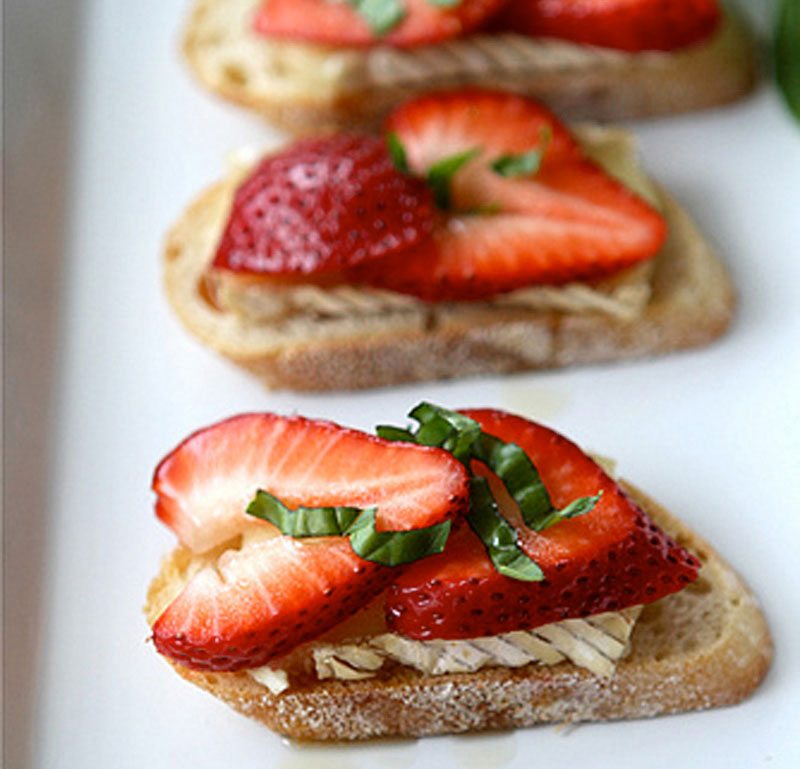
x=706, y=646
x=305, y=88
x=685, y=299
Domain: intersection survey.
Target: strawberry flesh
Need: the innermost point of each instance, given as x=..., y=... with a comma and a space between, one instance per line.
x=627, y=25
x=606, y=560
x=274, y=592
x=339, y=24
x=262, y=601
x=321, y=205
x=569, y=221
x=204, y=486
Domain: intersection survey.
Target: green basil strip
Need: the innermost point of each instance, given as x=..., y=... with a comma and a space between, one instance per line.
x=787, y=54
x=580, y=506
x=398, y=153
x=446, y=429
x=382, y=16
x=394, y=548
x=440, y=175
x=304, y=521
x=445, y=3
x=514, y=166
x=498, y=535
x=391, y=433
x=519, y=475
x=526, y=163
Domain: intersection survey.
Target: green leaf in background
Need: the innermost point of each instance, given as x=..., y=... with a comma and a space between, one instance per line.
x=382, y=16
x=394, y=548
x=498, y=535
x=787, y=54
x=304, y=521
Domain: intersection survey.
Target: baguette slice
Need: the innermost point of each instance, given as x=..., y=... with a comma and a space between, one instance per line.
x=706, y=646
x=688, y=300
x=304, y=88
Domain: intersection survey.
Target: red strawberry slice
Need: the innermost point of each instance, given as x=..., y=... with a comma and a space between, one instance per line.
x=606, y=560
x=323, y=204
x=569, y=221
x=628, y=25
x=339, y=24
x=206, y=483
x=262, y=601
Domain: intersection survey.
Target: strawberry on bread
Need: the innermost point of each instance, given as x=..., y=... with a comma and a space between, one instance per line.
x=312, y=65
x=401, y=23
x=530, y=208
x=605, y=560
x=264, y=597
x=321, y=205
x=550, y=555
x=477, y=233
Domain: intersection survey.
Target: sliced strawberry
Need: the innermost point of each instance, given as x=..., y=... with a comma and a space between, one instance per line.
x=606, y=560
x=569, y=221
x=206, y=483
x=419, y=22
x=628, y=25
x=323, y=204
x=262, y=601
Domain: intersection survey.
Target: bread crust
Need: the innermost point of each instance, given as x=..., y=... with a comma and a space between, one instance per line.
x=692, y=303
x=610, y=86
x=707, y=646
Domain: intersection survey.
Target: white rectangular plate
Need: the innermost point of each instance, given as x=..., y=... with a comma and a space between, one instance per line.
x=109, y=138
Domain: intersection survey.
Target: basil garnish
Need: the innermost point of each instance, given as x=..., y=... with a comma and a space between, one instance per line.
x=389, y=548
x=464, y=438
x=304, y=521
x=382, y=16
x=394, y=548
x=440, y=175
x=512, y=166
x=526, y=163
x=398, y=153
x=498, y=535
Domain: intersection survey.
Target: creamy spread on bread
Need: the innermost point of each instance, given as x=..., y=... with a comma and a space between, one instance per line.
x=595, y=643
x=623, y=296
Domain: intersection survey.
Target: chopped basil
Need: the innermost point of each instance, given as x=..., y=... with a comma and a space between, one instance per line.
x=525, y=163
x=304, y=521
x=382, y=16
x=440, y=175
x=394, y=548
x=390, y=548
x=464, y=438
x=398, y=153
x=498, y=535
x=390, y=433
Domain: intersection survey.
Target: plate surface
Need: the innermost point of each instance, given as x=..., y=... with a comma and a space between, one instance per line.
x=108, y=139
